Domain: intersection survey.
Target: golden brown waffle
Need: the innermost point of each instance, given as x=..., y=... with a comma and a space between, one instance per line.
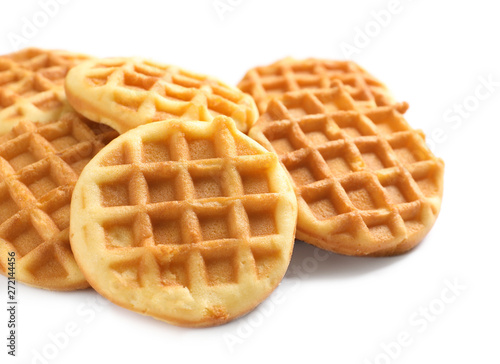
x=189, y=222
x=267, y=82
x=128, y=92
x=32, y=85
x=365, y=181
x=39, y=166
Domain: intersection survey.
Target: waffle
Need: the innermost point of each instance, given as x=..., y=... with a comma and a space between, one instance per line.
x=272, y=81
x=189, y=222
x=32, y=85
x=39, y=166
x=366, y=183
x=128, y=92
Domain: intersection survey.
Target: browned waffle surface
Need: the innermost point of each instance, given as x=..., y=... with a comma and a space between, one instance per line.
x=365, y=181
x=39, y=166
x=272, y=81
x=128, y=92
x=189, y=222
x=32, y=85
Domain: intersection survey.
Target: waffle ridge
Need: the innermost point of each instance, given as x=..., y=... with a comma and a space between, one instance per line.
x=272, y=81
x=365, y=181
x=127, y=92
x=39, y=166
x=32, y=85
x=186, y=211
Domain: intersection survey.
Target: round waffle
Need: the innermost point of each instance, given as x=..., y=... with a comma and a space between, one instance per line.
x=39, y=166
x=365, y=181
x=128, y=92
x=267, y=82
x=189, y=222
x=32, y=85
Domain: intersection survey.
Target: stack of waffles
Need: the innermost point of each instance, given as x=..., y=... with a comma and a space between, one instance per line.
x=180, y=197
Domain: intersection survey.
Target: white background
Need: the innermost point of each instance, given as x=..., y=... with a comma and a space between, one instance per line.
x=432, y=54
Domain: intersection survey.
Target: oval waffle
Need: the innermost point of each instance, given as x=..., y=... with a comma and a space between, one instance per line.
x=273, y=81
x=39, y=167
x=191, y=223
x=128, y=92
x=32, y=85
x=365, y=181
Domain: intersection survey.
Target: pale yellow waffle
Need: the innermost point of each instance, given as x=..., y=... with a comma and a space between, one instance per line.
x=128, y=92
x=267, y=82
x=365, y=181
x=39, y=166
x=189, y=222
x=32, y=85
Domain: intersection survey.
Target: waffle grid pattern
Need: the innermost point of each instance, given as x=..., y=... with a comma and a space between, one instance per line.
x=268, y=82
x=198, y=213
x=134, y=91
x=365, y=181
x=32, y=85
x=39, y=166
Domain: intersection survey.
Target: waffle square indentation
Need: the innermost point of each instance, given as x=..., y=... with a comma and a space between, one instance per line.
x=305, y=170
x=201, y=149
x=208, y=182
x=262, y=219
x=9, y=207
x=283, y=138
x=115, y=193
x=161, y=186
x=157, y=151
x=22, y=234
x=167, y=231
x=353, y=125
x=174, y=272
x=339, y=158
x=364, y=193
x=323, y=202
x=219, y=266
x=215, y=225
x=265, y=260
